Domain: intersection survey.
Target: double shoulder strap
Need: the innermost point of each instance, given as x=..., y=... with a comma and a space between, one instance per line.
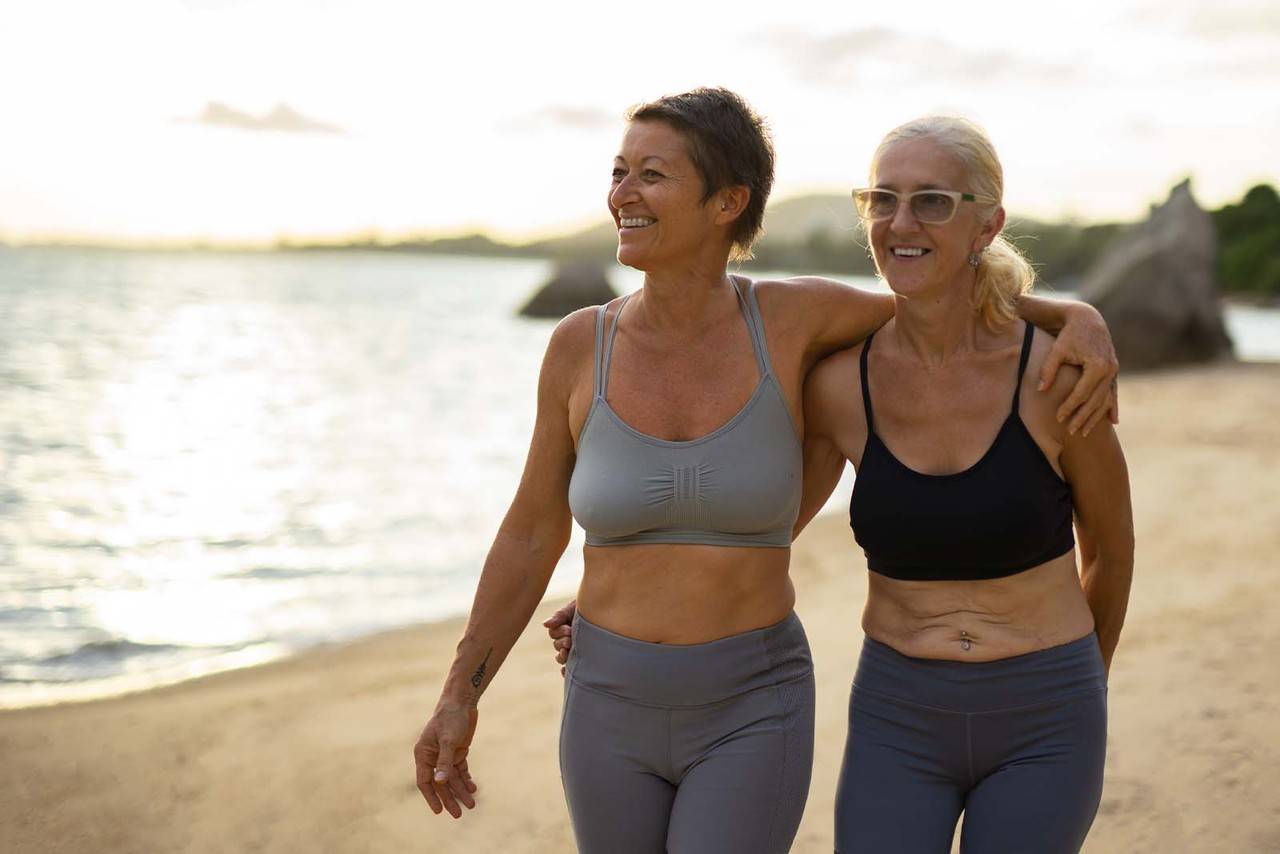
x=750, y=310
x=1017, y=387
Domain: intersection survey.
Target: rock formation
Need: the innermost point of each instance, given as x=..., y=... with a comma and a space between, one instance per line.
x=1157, y=289
x=574, y=285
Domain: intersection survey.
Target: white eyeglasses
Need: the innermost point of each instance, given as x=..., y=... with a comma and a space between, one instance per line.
x=931, y=207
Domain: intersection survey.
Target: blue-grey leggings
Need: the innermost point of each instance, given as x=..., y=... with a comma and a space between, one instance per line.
x=688, y=749
x=1017, y=744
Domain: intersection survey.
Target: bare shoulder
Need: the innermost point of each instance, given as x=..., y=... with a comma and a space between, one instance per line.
x=828, y=315
x=570, y=350
x=573, y=334
x=800, y=289
x=1044, y=404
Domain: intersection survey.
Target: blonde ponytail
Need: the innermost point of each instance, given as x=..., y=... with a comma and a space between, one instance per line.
x=1004, y=274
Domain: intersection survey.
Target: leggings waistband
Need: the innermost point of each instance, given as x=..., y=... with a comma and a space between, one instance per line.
x=1043, y=676
x=687, y=675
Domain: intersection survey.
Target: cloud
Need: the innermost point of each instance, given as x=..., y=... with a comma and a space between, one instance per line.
x=560, y=116
x=1235, y=20
x=878, y=54
x=281, y=118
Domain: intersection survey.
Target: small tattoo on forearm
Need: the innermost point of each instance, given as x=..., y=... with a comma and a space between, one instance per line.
x=478, y=676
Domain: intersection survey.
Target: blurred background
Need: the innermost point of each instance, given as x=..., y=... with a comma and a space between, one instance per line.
x=263, y=380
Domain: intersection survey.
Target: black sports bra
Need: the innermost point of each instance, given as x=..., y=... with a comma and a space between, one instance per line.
x=1008, y=512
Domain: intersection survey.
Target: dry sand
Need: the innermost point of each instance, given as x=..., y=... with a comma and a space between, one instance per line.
x=314, y=754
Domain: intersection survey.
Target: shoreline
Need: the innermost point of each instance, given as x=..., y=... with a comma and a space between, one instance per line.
x=314, y=751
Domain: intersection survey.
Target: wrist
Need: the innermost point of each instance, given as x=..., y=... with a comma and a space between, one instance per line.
x=458, y=697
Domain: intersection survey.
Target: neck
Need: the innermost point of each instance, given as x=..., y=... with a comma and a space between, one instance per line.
x=937, y=326
x=683, y=300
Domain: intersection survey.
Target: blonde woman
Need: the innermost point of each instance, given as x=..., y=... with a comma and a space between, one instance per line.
x=982, y=682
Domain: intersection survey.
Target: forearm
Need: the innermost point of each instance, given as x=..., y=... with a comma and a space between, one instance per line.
x=1051, y=315
x=515, y=577
x=1106, y=588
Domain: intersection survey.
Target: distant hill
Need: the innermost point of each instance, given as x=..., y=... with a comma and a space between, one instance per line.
x=819, y=233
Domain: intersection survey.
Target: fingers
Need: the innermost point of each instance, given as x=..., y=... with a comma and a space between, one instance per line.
x=441, y=777
x=425, y=762
x=562, y=646
x=561, y=642
x=1093, y=377
x=1092, y=411
x=460, y=791
x=1049, y=370
x=1106, y=410
x=466, y=777
x=562, y=617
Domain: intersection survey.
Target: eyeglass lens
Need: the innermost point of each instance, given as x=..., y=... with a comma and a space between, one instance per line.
x=925, y=206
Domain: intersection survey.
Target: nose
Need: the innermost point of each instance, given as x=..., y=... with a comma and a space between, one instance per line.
x=623, y=193
x=903, y=219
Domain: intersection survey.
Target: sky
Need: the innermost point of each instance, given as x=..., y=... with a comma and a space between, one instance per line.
x=254, y=120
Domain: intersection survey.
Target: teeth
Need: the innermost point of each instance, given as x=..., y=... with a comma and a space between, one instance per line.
x=636, y=221
x=908, y=252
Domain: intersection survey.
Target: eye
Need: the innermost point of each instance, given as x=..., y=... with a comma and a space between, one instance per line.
x=618, y=174
x=651, y=175
x=932, y=205
x=878, y=204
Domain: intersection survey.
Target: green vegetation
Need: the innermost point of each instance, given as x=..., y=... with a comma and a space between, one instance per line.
x=1249, y=244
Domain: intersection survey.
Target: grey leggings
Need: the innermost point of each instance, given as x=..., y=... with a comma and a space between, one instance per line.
x=696, y=749
x=1017, y=744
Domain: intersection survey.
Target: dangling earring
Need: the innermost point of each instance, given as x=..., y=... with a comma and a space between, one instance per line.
x=974, y=260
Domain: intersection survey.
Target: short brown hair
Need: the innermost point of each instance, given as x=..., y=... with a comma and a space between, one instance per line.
x=729, y=145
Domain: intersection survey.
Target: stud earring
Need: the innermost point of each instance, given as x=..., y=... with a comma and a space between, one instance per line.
x=974, y=260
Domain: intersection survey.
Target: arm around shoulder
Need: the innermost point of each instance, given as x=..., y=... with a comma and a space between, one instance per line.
x=828, y=315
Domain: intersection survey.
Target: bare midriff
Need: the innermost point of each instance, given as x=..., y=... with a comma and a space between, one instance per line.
x=983, y=620
x=684, y=594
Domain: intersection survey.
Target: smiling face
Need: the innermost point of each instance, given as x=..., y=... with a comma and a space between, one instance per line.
x=916, y=258
x=656, y=199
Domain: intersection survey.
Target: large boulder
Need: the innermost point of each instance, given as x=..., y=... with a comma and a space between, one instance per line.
x=1157, y=289
x=574, y=284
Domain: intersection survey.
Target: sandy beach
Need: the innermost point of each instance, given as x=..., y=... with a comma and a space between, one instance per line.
x=314, y=753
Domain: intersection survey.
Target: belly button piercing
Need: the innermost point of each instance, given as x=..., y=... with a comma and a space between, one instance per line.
x=964, y=640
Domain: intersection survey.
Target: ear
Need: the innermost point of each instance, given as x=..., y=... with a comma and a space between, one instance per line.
x=990, y=229
x=729, y=203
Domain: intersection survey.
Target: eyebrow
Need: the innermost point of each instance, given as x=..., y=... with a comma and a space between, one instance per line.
x=884, y=186
x=643, y=160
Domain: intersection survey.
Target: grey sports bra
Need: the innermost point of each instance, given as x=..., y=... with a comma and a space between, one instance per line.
x=739, y=485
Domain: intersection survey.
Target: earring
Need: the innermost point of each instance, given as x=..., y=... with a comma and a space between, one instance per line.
x=974, y=260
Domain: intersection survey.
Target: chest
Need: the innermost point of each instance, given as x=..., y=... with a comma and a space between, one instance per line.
x=684, y=391
x=941, y=422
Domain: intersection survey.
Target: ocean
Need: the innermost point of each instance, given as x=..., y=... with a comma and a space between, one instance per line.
x=210, y=460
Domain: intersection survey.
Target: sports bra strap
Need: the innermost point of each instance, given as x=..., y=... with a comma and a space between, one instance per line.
x=600, y=311
x=866, y=391
x=602, y=386
x=1022, y=363
x=756, y=326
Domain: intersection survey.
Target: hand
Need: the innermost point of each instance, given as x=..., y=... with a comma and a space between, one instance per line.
x=1085, y=341
x=441, y=758
x=560, y=630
